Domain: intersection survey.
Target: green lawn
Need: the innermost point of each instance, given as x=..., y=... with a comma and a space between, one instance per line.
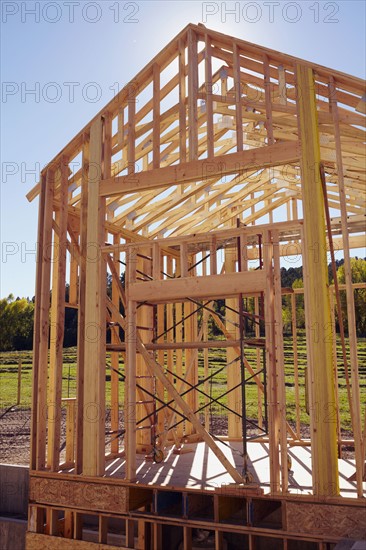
x=217, y=358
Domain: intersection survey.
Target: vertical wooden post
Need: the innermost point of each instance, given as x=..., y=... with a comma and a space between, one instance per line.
x=323, y=431
x=95, y=316
x=130, y=369
x=19, y=385
x=37, y=327
x=81, y=311
x=182, y=103
x=179, y=353
x=115, y=358
x=238, y=104
x=268, y=99
x=145, y=320
x=206, y=386
x=169, y=337
x=335, y=366
x=273, y=416
x=192, y=95
x=156, y=116
x=209, y=102
x=160, y=359
x=233, y=370
x=351, y=317
x=70, y=430
x=282, y=85
x=191, y=355
x=131, y=132
x=46, y=257
x=73, y=291
x=280, y=362
x=258, y=364
x=296, y=364
x=57, y=322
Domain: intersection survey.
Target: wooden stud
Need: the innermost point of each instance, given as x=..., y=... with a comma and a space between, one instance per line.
x=46, y=258
x=131, y=169
x=233, y=369
x=324, y=434
x=37, y=325
x=182, y=103
x=282, y=95
x=351, y=318
x=192, y=95
x=94, y=367
x=130, y=369
x=209, y=103
x=57, y=324
x=81, y=312
x=115, y=359
x=73, y=290
x=267, y=91
x=156, y=116
x=280, y=363
x=296, y=364
x=238, y=104
x=335, y=367
x=273, y=413
x=144, y=318
x=258, y=364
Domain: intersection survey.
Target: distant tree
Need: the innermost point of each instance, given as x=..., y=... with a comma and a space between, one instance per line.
x=16, y=323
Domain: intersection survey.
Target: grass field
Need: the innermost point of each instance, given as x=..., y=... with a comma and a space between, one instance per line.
x=217, y=358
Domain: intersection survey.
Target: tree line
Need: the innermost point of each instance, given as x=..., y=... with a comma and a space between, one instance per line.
x=17, y=314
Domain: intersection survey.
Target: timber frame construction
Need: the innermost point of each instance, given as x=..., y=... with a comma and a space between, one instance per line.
x=217, y=160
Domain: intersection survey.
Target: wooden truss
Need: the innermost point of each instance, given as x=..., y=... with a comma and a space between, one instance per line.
x=208, y=160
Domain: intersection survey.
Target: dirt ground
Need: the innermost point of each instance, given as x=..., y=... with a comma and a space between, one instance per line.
x=15, y=434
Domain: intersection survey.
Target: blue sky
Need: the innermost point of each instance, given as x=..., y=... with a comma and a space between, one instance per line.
x=75, y=55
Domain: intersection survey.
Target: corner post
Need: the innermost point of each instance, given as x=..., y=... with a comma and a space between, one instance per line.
x=316, y=284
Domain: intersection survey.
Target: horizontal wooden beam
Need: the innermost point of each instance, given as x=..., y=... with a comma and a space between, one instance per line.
x=199, y=170
x=207, y=344
x=213, y=286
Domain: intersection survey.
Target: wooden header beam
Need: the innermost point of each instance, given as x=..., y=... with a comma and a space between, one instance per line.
x=198, y=170
x=214, y=286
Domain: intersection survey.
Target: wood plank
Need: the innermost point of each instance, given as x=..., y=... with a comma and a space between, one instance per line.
x=130, y=329
x=280, y=363
x=319, y=345
x=268, y=99
x=209, y=103
x=115, y=357
x=351, y=317
x=238, y=103
x=271, y=155
x=81, y=313
x=232, y=359
x=156, y=116
x=182, y=103
x=192, y=95
x=37, y=325
x=44, y=323
x=35, y=541
x=57, y=323
x=94, y=368
x=273, y=417
x=214, y=286
x=326, y=520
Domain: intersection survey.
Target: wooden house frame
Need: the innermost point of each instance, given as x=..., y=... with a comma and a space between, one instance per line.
x=218, y=154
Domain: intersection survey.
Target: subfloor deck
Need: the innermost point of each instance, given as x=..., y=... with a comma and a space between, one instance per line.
x=200, y=468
